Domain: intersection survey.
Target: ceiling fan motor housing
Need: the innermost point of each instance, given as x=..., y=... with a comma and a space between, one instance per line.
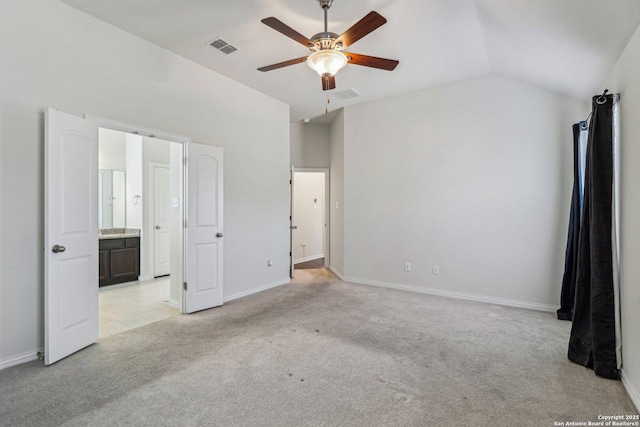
x=325, y=40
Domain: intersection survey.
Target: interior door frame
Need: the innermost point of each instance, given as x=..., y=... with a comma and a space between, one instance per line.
x=152, y=214
x=153, y=133
x=327, y=211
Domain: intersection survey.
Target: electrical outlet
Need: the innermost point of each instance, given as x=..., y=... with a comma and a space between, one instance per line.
x=407, y=266
x=436, y=270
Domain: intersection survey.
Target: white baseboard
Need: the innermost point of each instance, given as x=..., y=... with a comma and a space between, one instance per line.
x=145, y=278
x=632, y=391
x=451, y=294
x=336, y=272
x=174, y=303
x=20, y=359
x=256, y=290
x=307, y=258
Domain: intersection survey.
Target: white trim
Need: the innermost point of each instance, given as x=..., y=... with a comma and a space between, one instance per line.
x=452, y=294
x=307, y=258
x=174, y=303
x=321, y=170
x=154, y=133
x=255, y=291
x=20, y=359
x=336, y=272
x=136, y=130
x=633, y=393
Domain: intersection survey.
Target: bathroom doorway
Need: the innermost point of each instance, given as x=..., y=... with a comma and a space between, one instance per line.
x=140, y=220
x=71, y=229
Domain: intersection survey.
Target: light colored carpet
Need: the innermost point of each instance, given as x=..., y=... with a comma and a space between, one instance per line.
x=321, y=352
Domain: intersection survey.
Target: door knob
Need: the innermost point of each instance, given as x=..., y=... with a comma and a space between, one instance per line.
x=57, y=248
x=294, y=227
x=219, y=235
x=157, y=227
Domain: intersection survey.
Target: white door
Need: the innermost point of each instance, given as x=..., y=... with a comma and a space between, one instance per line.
x=161, y=220
x=203, y=288
x=71, y=234
x=292, y=227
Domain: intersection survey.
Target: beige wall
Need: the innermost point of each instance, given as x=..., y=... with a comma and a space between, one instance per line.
x=474, y=177
x=336, y=194
x=55, y=56
x=310, y=145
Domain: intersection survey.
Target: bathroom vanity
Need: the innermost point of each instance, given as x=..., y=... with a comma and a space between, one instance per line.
x=118, y=256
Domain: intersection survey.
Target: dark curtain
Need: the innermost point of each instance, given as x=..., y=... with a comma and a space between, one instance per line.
x=571, y=255
x=593, y=338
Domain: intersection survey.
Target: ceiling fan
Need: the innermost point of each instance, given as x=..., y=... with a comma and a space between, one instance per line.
x=327, y=56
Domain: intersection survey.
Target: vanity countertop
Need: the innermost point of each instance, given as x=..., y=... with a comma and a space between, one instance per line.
x=118, y=233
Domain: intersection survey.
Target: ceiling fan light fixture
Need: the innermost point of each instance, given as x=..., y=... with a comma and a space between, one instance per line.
x=327, y=61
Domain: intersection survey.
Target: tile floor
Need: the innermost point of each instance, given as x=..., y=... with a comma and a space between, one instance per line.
x=134, y=304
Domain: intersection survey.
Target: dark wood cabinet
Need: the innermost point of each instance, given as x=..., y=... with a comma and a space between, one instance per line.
x=119, y=260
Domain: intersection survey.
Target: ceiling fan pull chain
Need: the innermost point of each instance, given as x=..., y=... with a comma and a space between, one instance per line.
x=326, y=79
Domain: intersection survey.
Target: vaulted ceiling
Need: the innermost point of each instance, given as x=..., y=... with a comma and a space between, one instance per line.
x=566, y=46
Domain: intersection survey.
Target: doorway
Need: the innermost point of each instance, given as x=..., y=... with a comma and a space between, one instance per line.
x=310, y=218
x=139, y=229
x=71, y=262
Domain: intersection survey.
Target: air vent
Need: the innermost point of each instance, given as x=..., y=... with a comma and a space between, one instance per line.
x=222, y=45
x=346, y=94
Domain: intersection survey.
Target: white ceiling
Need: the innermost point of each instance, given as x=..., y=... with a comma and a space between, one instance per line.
x=566, y=46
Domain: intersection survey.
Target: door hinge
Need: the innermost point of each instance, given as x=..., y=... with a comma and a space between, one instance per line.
x=184, y=162
x=289, y=253
x=185, y=286
x=290, y=182
x=185, y=223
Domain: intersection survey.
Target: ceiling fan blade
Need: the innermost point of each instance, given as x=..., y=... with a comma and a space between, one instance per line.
x=371, y=61
x=283, y=64
x=328, y=84
x=361, y=28
x=287, y=31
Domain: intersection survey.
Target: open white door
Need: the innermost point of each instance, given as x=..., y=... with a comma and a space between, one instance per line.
x=292, y=227
x=71, y=234
x=203, y=285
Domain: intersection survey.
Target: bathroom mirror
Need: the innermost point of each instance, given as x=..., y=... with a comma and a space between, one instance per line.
x=111, y=196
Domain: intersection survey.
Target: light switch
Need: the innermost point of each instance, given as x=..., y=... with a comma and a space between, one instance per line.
x=175, y=202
